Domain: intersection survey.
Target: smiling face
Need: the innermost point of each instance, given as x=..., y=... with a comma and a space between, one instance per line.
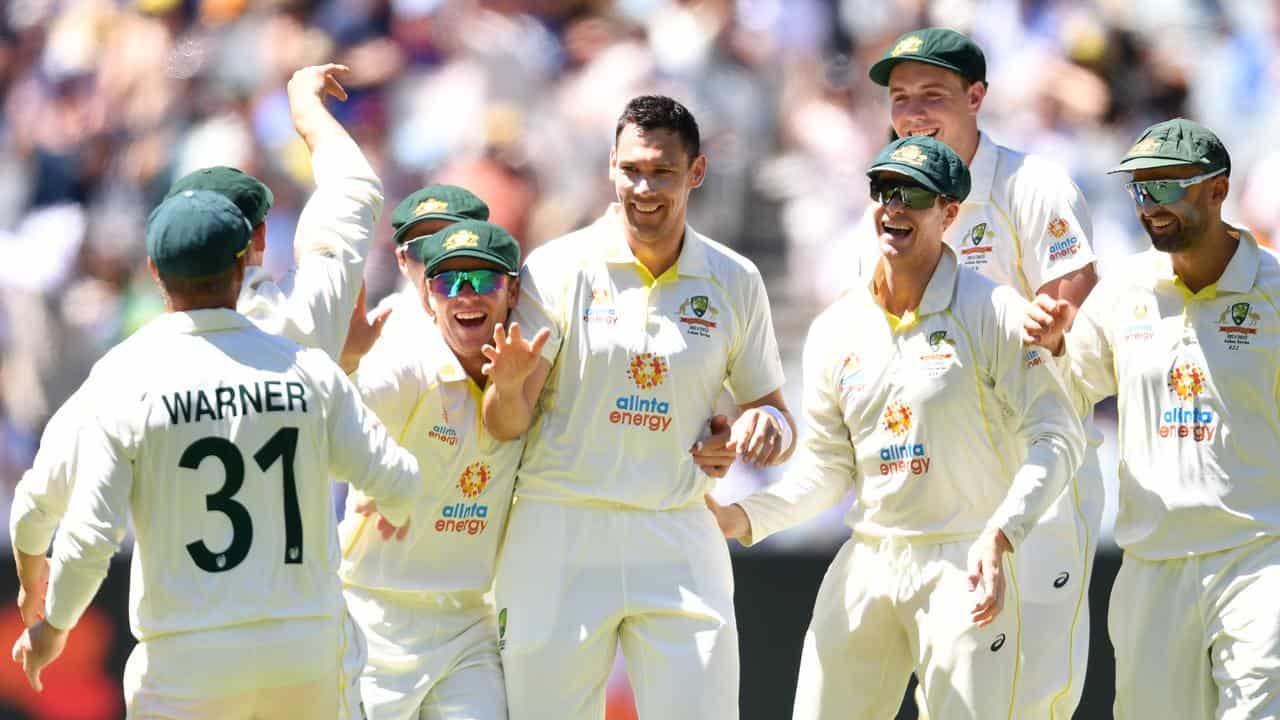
x=929, y=100
x=466, y=321
x=653, y=175
x=904, y=233
x=1175, y=227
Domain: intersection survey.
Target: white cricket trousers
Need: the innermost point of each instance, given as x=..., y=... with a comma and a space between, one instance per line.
x=890, y=607
x=281, y=670
x=1054, y=566
x=1199, y=637
x=432, y=656
x=575, y=581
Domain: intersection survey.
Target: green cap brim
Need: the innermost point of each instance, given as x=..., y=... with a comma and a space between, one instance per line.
x=880, y=72
x=399, y=236
x=1147, y=161
x=907, y=170
x=471, y=253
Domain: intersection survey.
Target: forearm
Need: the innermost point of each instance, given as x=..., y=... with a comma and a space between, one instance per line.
x=32, y=569
x=1047, y=469
x=314, y=123
x=799, y=497
x=508, y=413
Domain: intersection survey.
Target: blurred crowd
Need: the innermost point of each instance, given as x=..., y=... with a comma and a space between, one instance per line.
x=105, y=102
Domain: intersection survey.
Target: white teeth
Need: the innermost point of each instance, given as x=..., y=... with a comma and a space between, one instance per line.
x=470, y=316
x=645, y=208
x=890, y=226
x=919, y=133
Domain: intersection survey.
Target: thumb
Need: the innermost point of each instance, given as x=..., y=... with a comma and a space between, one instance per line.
x=975, y=572
x=380, y=319
x=33, y=677
x=719, y=424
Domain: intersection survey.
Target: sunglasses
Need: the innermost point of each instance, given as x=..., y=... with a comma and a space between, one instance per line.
x=449, y=282
x=1163, y=192
x=913, y=196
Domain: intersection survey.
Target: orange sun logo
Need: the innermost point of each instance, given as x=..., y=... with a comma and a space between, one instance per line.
x=1057, y=227
x=1186, y=381
x=647, y=370
x=897, y=418
x=474, y=479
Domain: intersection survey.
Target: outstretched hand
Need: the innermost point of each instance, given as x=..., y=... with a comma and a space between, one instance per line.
x=512, y=359
x=362, y=332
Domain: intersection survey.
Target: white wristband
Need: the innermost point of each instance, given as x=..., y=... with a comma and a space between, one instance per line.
x=788, y=437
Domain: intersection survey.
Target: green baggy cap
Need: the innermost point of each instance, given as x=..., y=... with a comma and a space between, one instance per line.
x=1176, y=142
x=943, y=47
x=436, y=202
x=926, y=160
x=197, y=233
x=246, y=191
x=470, y=238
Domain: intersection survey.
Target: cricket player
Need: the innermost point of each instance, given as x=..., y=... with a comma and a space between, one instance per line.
x=1026, y=225
x=422, y=599
x=424, y=212
x=1187, y=337
x=920, y=397
x=609, y=541
x=214, y=440
x=311, y=305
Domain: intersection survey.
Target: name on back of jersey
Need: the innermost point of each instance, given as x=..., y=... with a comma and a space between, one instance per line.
x=220, y=403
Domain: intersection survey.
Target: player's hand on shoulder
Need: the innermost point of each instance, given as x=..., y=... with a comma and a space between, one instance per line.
x=368, y=507
x=1046, y=322
x=36, y=648
x=711, y=453
x=512, y=358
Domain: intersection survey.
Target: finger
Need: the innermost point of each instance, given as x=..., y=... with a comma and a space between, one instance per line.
x=711, y=503
x=334, y=88
x=719, y=456
x=17, y=651
x=490, y=352
x=365, y=506
x=742, y=430
x=514, y=333
x=539, y=340
x=1044, y=302
x=403, y=532
x=385, y=529
x=718, y=423
x=380, y=319
x=758, y=444
x=499, y=335
x=360, y=300
x=33, y=677
x=486, y=369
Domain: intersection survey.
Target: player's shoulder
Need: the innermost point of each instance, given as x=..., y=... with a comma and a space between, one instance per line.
x=977, y=293
x=1268, y=276
x=1026, y=174
x=724, y=262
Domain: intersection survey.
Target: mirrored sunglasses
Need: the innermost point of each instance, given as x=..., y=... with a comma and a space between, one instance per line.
x=913, y=196
x=1163, y=192
x=450, y=282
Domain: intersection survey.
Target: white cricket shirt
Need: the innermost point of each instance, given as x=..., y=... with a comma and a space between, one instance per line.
x=941, y=421
x=1197, y=382
x=217, y=440
x=637, y=364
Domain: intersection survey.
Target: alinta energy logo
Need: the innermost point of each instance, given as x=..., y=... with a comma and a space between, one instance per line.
x=850, y=373
x=470, y=518
x=898, y=420
x=600, y=309
x=1187, y=382
x=647, y=371
x=1063, y=248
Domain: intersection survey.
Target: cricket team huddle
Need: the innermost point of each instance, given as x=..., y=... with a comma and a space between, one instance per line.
x=530, y=442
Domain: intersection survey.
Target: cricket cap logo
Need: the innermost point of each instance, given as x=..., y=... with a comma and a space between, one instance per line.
x=474, y=479
x=1186, y=381
x=461, y=239
x=431, y=205
x=647, y=370
x=897, y=418
x=907, y=45
x=1145, y=147
x=910, y=155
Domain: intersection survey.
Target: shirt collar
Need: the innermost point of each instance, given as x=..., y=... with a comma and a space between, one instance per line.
x=693, y=250
x=982, y=171
x=194, y=322
x=440, y=360
x=941, y=287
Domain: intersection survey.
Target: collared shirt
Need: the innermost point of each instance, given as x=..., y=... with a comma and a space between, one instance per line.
x=217, y=440
x=638, y=364
x=1024, y=223
x=432, y=407
x=311, y=305
x=1197, y=380
x=940, y=420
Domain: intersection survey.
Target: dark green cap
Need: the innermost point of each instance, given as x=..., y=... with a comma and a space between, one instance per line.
x=1176, y=142
x=943, y=47
x=196, y=233
x=246, y=191
x=928, y=161
x=470, y=238
x=436, y=202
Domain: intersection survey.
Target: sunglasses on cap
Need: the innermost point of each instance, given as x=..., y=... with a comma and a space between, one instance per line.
x=913, y=196
x=449, y=282
x=1163, y=192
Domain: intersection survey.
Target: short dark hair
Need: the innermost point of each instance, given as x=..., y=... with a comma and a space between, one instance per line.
x=652, y=112
x=203, y=290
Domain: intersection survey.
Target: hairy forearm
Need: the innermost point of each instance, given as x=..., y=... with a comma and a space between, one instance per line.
x=507, y=412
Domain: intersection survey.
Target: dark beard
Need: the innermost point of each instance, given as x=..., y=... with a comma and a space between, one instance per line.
x=1170, y=243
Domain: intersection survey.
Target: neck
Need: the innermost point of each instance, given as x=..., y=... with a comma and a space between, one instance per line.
x=1204, y=262
x=657, y=257
x=900, y=282
x=969, y=147
x=173, y=305
x=471, y=366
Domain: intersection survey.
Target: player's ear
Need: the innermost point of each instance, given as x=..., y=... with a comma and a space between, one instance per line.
x=1218, y=189
x=976, y=93
x=698, y=171
x=950, y=211
x=613, y=161
x=513, y=292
